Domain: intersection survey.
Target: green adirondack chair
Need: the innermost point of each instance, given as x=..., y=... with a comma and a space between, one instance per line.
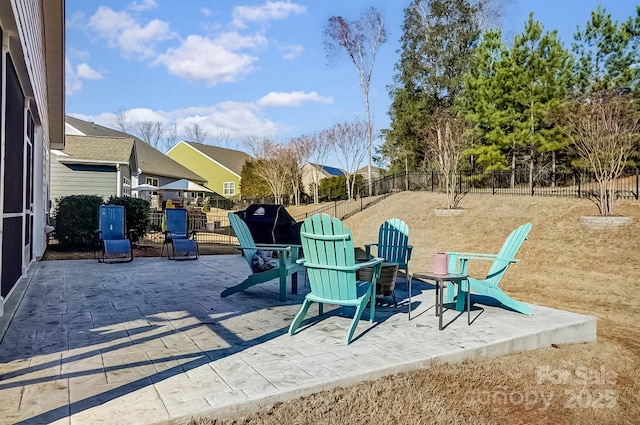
x=393, y=244
x=458, y=263
x=329, y=257
x=286, y=263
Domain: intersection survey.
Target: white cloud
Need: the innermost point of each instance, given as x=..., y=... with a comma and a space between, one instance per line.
x=296, y=98
x=123, y=32
x=269, y=11
x=72, y=83
x=227, y=123
x=74, y=76
x=202, y=59
x=291, y=52
x=143, y=5
x=206, y=12
x=236, y=41
x=84, y=71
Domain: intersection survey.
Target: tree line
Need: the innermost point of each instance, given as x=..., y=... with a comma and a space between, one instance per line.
x=463, y=99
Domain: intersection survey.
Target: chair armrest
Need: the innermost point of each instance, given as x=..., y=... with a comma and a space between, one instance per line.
x=374, y=262
x=369, y=263
x=511, y=260
x=275, y=246
x=267, y=248
x=471, y=254
x=367, y=248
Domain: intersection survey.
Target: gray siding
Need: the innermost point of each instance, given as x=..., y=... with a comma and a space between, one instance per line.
x=65, y=182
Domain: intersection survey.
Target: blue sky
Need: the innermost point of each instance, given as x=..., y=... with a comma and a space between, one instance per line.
x=246, y=68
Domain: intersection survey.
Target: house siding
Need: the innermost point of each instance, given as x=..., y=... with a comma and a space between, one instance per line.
x=215, y=174
x=65, y=182
x=31, y=119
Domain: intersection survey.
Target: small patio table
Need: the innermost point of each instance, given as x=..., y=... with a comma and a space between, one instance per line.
x=439, y=279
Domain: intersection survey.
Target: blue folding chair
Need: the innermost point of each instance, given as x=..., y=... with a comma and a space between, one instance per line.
x=183, y=244
x=113, y=245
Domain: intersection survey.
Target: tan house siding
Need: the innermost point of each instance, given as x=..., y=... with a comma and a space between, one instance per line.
x=216, y=174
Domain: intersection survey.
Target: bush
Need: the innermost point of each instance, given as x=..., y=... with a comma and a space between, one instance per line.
x=77, y=220
x=136, y=214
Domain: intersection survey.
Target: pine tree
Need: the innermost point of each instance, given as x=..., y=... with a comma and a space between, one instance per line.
x=438, y=39
x=607, y=54
x=512, y=96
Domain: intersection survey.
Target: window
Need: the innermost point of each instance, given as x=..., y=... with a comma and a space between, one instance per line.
x=229, y=188
x=153, y=181
x=126, y=187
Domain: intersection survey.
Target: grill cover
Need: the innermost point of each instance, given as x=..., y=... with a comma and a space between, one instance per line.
x=271, y=223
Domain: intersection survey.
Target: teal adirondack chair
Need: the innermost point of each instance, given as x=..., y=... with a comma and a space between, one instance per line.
x=458, y=263
x=393, y=244
x=113, y=245
x=329, y=257
x=177, y=237
x=286, y=262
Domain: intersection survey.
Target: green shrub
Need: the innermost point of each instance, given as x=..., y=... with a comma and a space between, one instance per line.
x=77, y=220
x=136, y=214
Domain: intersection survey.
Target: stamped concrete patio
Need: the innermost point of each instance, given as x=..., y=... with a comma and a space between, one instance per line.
x=152, y=341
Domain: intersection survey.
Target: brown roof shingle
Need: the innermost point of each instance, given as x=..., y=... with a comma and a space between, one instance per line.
x=101, y=149
x=150, y=160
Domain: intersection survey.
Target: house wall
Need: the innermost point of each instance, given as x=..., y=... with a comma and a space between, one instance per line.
x=26, y=94
x=214, y=173
x=66, y=181
x=309, y=175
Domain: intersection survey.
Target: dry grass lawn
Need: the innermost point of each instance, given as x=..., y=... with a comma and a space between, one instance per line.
x=564, y=265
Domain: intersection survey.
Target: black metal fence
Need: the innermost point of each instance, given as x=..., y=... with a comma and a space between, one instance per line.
x=216, y=228
x=567, y=184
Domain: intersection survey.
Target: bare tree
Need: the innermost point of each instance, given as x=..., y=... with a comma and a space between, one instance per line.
x=604, y=131
x=445, y=140
x=170, y=136
x=350, y=140
x=321, y=145
x=274, y=164
x=149, y=131
x=195, y=133
x=121, y=121
x=360, y=40
x=299, y=151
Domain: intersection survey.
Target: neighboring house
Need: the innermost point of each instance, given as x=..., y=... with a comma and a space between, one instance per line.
x=376, y=172
x=153, y=167
x=92, y=165
x=31, y=121
x=220, y=166
x=312, y=174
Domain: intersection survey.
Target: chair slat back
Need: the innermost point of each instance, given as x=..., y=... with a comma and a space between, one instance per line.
x=244, y=236
x=176, y=222
x=327, y=242
x=111, y=222
x=393, y=241
x=508, y=251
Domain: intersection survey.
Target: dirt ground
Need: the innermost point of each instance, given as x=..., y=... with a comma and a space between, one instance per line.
x=564, y=265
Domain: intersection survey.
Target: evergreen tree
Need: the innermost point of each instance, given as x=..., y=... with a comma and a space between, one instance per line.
x=512, y=96
x=251, y=184
x=438, y=39
x=607, y=54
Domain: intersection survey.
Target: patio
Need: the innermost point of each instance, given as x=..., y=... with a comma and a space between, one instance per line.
x=152, y=341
